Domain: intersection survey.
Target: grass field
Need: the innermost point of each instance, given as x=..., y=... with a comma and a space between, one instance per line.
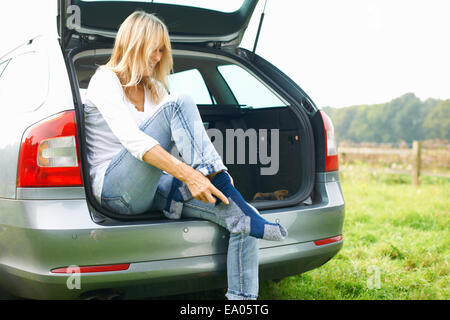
x=396, y=243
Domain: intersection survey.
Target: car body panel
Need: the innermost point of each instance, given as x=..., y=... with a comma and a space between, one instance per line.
x=51, y=234
x=13, y=124
x=173, y=237
x=164, y=277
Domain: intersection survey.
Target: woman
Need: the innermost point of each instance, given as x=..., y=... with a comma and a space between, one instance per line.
x=131, y=124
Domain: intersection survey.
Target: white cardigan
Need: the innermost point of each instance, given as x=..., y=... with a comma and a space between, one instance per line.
x=111, y=123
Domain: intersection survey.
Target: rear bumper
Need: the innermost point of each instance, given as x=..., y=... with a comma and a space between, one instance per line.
x=166, y=257
x=166, y=277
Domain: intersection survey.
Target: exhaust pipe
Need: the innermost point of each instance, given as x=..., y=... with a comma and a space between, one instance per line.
x=104, y=294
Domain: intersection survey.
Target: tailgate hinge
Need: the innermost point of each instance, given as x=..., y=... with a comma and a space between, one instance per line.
x=215, y=44
x=84, y=40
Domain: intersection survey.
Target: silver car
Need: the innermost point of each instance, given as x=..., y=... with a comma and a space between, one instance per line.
x=57, y=242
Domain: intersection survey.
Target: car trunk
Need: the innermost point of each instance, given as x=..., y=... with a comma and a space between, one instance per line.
x=278, y=180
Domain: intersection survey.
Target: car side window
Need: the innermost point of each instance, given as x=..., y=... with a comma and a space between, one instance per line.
x=191, y=82
x=247, y=89
x=3, y=65
x=24, y=82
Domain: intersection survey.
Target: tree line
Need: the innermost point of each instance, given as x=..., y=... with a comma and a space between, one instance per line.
x=406, y=118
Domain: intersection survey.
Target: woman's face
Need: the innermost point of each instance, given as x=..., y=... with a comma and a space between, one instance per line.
x=155, y=58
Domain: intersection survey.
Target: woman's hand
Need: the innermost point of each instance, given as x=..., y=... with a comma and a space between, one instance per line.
x=198, y=184
x=202, y=189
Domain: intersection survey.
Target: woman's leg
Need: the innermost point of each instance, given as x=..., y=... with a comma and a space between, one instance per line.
x=242, y=255
x=130, y=185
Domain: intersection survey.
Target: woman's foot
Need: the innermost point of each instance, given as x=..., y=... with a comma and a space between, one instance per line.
x=241, y=216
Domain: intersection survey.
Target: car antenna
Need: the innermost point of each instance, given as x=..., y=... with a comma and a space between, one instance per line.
x=259, y=29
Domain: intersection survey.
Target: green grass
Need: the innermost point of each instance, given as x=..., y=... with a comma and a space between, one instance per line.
x=396, y=243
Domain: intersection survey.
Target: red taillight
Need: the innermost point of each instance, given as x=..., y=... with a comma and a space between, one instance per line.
x=49, y=154
x=331, y=159
x=327, y=241
x=86, y=269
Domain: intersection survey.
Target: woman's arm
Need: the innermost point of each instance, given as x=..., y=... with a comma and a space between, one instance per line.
x=106, y=94
x=199, y=185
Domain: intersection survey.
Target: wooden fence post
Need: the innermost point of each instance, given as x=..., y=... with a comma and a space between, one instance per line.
x=417, y=146
x=343, y=157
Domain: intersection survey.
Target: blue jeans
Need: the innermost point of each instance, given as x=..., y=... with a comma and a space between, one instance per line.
x=132, y=186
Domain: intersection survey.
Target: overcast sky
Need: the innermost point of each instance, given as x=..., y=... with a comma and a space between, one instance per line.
x=341, y=52
x=347, y=52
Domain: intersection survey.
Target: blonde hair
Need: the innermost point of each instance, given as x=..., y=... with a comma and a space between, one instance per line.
x=138, y=37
